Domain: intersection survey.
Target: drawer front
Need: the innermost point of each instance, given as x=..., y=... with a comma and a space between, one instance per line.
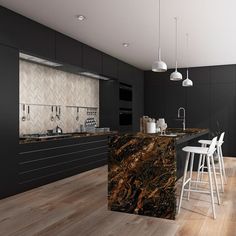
x=45, y=162
x=50, y=170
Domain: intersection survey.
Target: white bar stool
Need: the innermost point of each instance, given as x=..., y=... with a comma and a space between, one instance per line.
x=208, y=152
x=220, y=157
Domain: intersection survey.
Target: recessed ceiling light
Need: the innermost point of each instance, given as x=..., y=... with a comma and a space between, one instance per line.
x=125, y=45
x=80, y=17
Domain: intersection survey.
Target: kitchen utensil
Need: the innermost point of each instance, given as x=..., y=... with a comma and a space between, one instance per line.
x=58, y=130
x=23, y=116
x=59, y=113
x=52, y=117
x=28, y=112
x=77, y=117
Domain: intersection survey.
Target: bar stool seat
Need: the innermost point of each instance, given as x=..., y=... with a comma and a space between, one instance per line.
x=208, y=142
x=196, y=150
x=208, y=153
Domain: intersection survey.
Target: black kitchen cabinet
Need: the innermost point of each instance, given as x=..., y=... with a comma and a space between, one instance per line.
x=198, y=98
x=133, y=77
x=26, y=35
x=223, y=106
x=45, y=162
x=9, y=119
x=92, y=59
x=125, y=73
x=138, y=97
x=154, y=94
x=68, y=50
x=109, y=66
x=109, y=104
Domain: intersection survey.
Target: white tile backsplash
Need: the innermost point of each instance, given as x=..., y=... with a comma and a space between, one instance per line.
x=43, y=85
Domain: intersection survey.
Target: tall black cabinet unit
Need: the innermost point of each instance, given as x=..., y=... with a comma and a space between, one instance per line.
x=9, y=119
x=210, y=103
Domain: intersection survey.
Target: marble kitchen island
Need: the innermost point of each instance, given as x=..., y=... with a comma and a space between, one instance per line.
x=143, y=169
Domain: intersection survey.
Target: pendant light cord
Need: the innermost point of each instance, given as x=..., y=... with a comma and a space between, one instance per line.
x=176, y=43
x=187, y=50
x=159, y=32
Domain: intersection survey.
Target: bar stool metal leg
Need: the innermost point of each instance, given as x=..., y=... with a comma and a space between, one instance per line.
x=223, y=165
x=190, y=173
x=220, y=169
x=199, y=169
x=211, y=187
x=215, y=180
x=184, y=179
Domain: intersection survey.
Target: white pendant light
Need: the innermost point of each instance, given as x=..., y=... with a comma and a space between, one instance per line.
x=159, y=65
x=176, y=76
x=187, y=82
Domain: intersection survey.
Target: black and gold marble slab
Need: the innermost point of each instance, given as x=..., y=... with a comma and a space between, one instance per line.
x=142, y=174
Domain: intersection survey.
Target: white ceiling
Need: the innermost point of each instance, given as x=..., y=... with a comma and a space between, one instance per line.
x=211, y=25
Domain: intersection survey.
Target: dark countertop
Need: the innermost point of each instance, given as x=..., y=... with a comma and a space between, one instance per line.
x=142, y=172
x=179, y=135
x=28, y=139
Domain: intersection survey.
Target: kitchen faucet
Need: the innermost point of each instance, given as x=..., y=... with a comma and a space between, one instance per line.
x=183, y=117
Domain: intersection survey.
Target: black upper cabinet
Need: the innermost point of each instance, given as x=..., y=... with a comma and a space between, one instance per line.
x=68, y=50
x=154, y=94
x=125, y=73
x=92, y=59
x=25, y=34
x=109, y=104
x=109, y=66
x=9, y=120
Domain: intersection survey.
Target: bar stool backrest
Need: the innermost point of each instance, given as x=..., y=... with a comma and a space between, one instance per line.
x=221, y=139
x=212, y=146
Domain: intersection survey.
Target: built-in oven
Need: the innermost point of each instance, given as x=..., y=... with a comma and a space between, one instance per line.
x=126, y=117
x=126, y=107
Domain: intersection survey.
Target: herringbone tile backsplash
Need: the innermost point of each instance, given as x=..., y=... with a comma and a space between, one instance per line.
x=47, y=86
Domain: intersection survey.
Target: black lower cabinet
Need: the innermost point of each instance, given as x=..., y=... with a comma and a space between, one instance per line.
x=9, y=119
x=45, y=162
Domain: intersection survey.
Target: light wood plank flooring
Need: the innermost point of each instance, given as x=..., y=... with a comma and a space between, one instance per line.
x=78, y=206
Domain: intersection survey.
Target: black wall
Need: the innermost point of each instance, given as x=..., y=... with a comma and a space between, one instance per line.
x=210, y=103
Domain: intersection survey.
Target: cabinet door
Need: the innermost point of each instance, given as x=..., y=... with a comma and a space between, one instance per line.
x=198, y=98
x=138, y=99
x=125, y=73
x=68, y=50
x=9, y=119
x=92, y=59
x=154, y=94
x=25, y=34
x=109, y=66
x=223, y=106
x=109, y=104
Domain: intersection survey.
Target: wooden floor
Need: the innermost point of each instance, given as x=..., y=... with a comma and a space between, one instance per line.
x=78, y=206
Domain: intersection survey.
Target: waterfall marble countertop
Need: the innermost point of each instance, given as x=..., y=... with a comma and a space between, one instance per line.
x=142, y=172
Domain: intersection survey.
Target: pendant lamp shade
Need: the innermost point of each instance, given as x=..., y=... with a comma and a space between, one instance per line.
x=159, y=65
x=176, y=76
x=187, y=82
